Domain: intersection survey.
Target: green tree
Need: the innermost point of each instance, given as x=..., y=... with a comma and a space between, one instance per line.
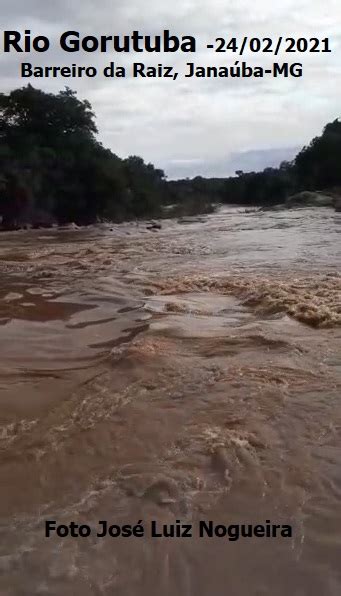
x=52, y=165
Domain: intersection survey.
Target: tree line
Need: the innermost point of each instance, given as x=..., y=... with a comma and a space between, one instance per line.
x=53, y=169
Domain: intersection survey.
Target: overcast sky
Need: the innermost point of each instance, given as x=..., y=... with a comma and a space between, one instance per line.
x=192, y=126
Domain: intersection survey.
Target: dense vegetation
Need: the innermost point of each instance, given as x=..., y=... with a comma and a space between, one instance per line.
x=54, y=170
x=316, y=167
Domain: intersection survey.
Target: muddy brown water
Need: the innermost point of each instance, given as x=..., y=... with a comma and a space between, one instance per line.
x=191, y=373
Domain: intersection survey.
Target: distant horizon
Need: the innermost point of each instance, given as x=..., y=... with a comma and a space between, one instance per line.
x=252, y=160
x=247, y=161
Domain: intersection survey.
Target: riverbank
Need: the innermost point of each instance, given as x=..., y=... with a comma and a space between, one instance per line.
x=302, y=200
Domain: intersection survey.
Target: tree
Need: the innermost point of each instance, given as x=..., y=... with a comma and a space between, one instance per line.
x=52, y=164
x=318, y=166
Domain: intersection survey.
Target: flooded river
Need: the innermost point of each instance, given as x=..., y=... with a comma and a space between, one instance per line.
x=189, y=373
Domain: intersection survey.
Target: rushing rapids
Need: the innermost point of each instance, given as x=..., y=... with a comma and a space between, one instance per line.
x=188, y=377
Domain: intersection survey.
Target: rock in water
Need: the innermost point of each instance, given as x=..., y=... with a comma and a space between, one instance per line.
x=163, y=491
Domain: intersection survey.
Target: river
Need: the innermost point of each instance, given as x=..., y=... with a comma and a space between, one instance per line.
x=188, y=373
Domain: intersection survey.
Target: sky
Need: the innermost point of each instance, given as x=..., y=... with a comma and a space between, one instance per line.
x=190, y=127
